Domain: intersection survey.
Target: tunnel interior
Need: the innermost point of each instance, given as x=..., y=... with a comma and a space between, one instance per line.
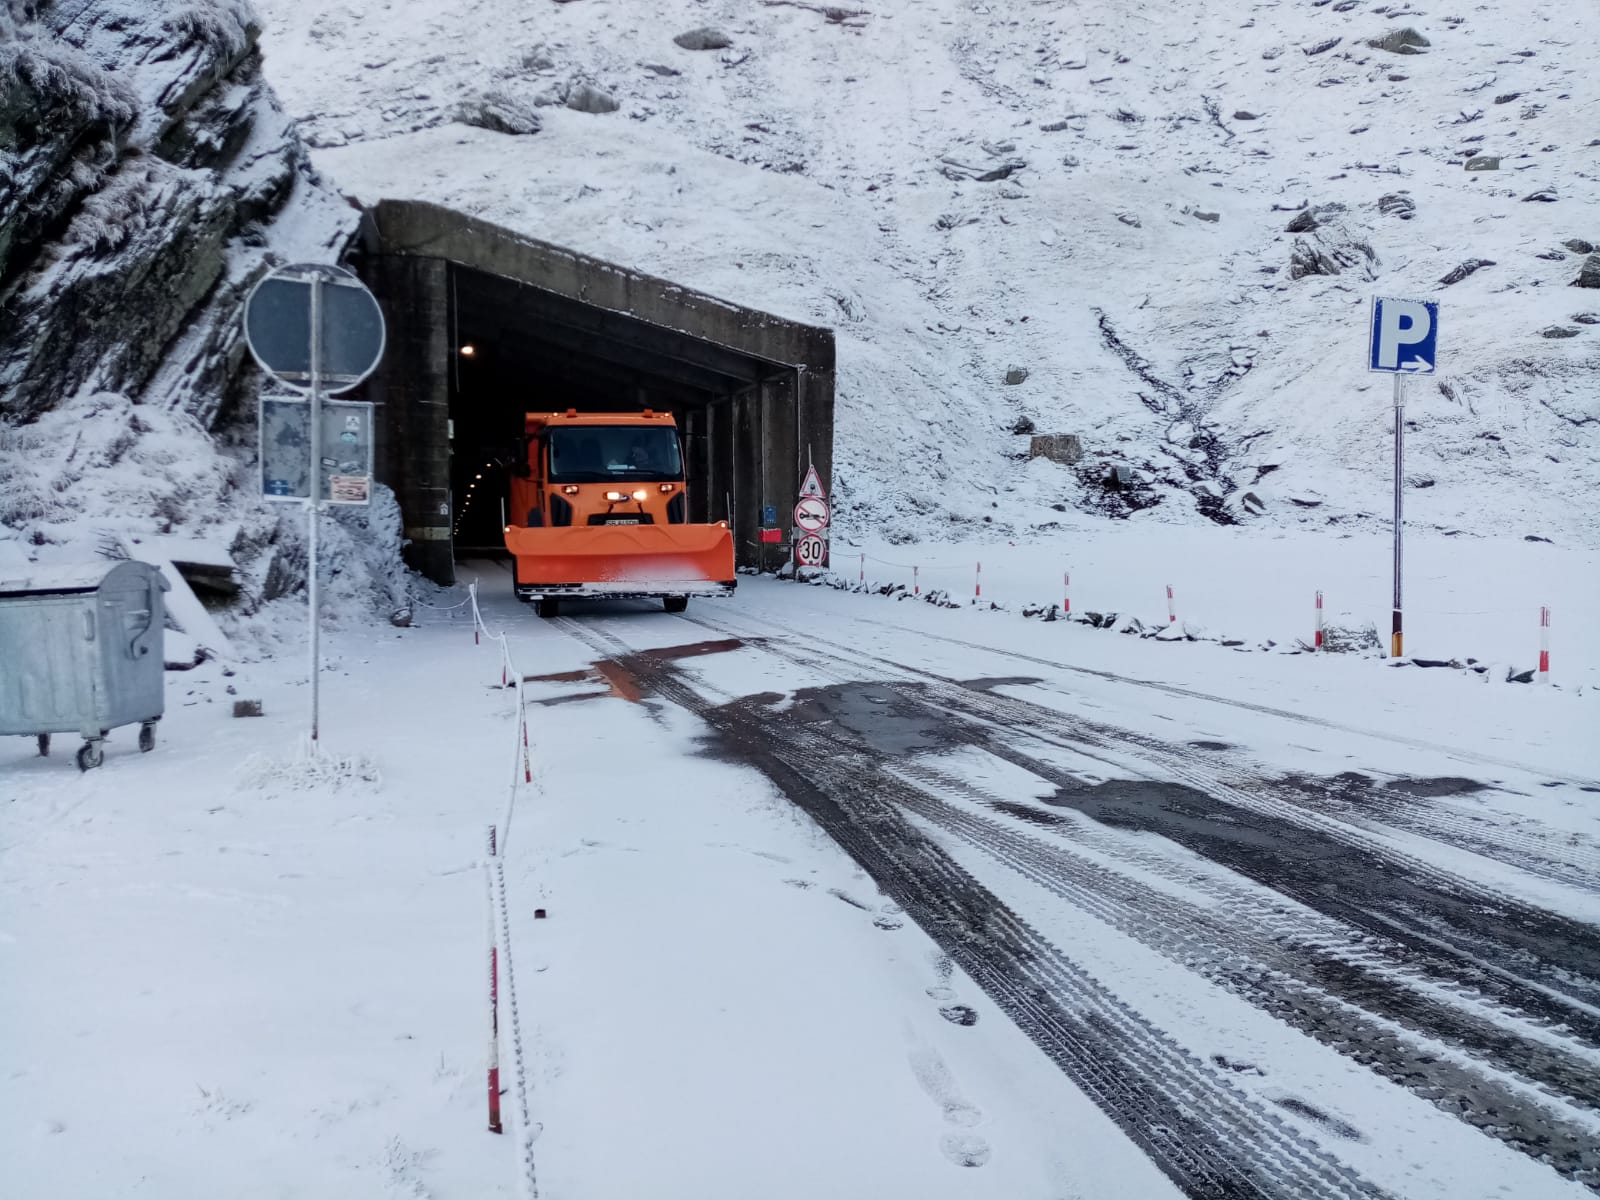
x=520, y=349
x=486, y=325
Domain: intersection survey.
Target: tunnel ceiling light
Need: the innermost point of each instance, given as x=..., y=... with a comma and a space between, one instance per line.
x=468, y=350
x=477, y=476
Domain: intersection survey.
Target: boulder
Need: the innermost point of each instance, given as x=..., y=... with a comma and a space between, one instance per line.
x=1401, y=41
x=587, y=98
x=1559, y=331
x=1396, y=204
x=1024, y=425
x=1458, y=273
x=1015, y=375
x=500, y=112
x=1332, y=249
x=706, y=38
x=1064, y=448
x=1484, y=162
x=1308, y=219
x=1244, y=115
x=1579, y=246
x=1589, y=273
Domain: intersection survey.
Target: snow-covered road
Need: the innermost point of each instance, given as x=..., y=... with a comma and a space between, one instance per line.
x=844, y=897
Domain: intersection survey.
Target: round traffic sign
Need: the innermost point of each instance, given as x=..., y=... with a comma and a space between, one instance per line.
x=811, y=514
x=277, y=326
x=810, y=551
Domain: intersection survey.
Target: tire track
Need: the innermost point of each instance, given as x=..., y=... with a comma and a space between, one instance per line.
x=1214, y=1141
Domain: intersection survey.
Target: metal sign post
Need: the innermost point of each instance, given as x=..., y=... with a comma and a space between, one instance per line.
x=1401, y=327
x=317, y=329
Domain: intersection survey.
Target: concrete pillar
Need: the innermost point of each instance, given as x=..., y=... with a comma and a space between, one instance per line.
x=697, y=464
x=814, y=423
x=721, y=476
x=412, y=448
x=749, y=476
x=780, y=477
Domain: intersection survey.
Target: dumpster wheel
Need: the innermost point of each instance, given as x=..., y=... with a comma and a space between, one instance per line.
x=147, y=737
x=91, y=754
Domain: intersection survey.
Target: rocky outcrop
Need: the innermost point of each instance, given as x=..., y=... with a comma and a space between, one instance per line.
x=148, y=162
x=148, y=178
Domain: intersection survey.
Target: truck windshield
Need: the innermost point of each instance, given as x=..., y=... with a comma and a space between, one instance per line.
x=596, y=453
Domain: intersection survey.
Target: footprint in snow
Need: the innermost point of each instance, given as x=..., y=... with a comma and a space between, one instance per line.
x=965, y=1149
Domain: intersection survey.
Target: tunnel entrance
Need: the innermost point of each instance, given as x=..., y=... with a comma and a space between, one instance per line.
x=486, y=325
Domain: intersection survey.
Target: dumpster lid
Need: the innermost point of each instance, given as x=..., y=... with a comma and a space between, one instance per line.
x=25, y=578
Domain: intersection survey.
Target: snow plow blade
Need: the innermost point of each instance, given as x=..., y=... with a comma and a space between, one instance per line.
x=622, y=561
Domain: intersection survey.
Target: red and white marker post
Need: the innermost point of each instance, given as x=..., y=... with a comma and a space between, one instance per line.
x=1066, y=594
x=977, y=585
x=861, y=578
x=1544, y=644
x=916, y=581
x=494, y=1003
x=1172, y=613
x=1317, y=642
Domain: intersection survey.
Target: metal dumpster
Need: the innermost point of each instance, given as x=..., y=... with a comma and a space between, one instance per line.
x=81, y=652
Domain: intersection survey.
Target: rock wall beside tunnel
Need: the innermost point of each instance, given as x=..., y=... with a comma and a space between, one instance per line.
x=148, y=178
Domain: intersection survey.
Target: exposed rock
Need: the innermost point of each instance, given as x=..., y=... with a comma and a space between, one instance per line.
x=585, y=97
x=1127, y=218
x=1589, y=273
x=1579, y=246
x=1244, y=115
x=129, y=236
x=500, y=112
x=1586, y=318
x=1542, y=196
x=1331, y=249
x=1484, y=162
x=1024, y=425
x=1016, y=375
x=1064, y=448
x=1396, y=204
x=1322, y=47
x=1559, y=331
x=1205, y=216
x=661, y=69
x=1308, y=219
x=1252, y=504
x=1457, y=274
x=1401, y=41
x=706, y=38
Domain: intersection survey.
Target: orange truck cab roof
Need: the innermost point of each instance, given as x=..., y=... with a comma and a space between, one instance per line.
x=539, y=422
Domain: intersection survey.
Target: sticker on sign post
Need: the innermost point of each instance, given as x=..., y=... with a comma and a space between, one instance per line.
x=811, y=514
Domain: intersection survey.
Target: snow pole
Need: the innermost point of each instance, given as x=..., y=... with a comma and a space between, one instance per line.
x=916, y=581
x=1066, y=594
x=1544, y=644
x=1317, y=641
x=527, y=762
x=494, y=997
x=862, y=577
x=1172, y=613
x=977, y=585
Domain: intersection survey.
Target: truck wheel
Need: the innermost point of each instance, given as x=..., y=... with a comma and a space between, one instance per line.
x=548, y=606
x=675, y=603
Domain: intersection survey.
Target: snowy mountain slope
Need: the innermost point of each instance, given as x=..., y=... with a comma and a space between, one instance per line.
x=1130, y=252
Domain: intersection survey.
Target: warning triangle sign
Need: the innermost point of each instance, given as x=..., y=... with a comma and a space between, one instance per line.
x=813, y=484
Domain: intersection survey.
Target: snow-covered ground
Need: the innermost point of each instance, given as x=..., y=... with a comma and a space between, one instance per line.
x=219, y=983
x=1152, y=156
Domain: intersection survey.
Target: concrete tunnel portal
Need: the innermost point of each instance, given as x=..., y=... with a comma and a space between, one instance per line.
x=485, y=325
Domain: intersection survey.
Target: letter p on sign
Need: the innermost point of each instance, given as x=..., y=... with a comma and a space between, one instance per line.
x=1404, y=335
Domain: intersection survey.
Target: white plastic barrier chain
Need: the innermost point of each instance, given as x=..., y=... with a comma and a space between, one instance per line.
x=523, y=1127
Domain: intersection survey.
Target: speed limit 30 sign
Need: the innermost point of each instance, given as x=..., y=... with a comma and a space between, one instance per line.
x=810, y=550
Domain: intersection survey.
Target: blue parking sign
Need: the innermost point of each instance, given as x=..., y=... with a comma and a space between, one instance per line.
x=1404, y=335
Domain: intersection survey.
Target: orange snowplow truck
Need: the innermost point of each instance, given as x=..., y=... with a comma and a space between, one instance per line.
x=601, y=511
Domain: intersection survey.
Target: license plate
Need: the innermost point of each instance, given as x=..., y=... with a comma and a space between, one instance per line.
x=623, y=521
